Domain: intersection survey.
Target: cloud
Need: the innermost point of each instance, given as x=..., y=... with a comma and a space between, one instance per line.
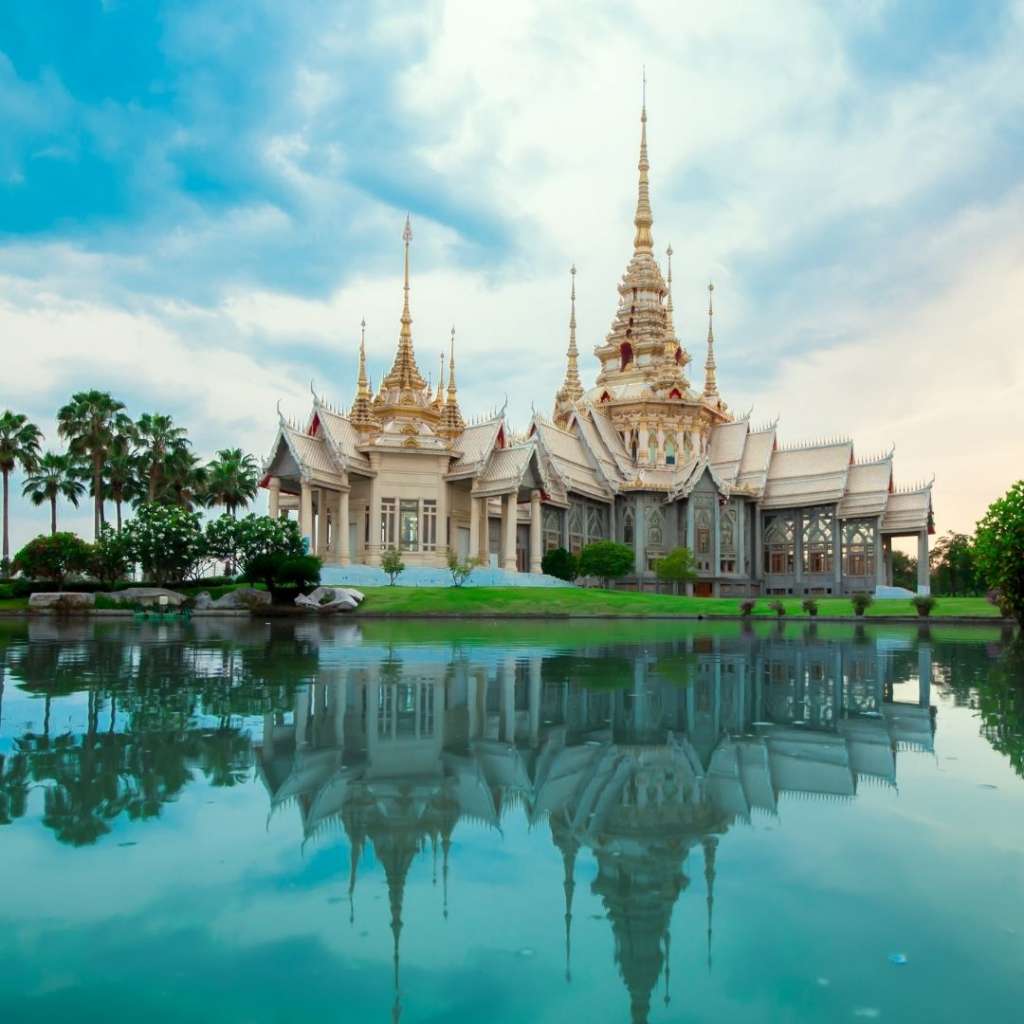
x=204, y=231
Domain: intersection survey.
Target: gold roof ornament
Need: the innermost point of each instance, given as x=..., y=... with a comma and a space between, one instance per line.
x=362, y=408
x=644, y=218
x=439, y=396
x=572, y=388
x=452, y=422
x=710, y=383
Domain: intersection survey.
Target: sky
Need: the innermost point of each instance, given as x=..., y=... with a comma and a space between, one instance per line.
x=199, y=202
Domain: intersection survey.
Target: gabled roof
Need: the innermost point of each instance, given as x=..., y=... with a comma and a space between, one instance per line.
x=611, y=438
x=341, y=437
x=757, y=454
x=595, y=444
x=908, y=511
x=690, y=476
x=507, y=470
x=811, y=475
x=300, y=455
x=725, y=451
x=867, y=489
x=573, y=464
x=476, y=443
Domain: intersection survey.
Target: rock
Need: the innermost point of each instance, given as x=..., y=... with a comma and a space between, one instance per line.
x=329, y=599
x=203, y=601
x=61, y=601
x=148, y=597
x=244, y=597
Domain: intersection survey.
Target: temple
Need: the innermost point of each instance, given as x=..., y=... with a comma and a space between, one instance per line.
x=646, y=456
x=647, y=769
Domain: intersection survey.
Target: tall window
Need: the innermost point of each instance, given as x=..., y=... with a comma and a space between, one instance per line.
x=429, y=524
x=409, y=524
x=859, y=548
x=576, y=524
x=727, y=537
x=551, y=526
x=655, y=528
x=817, y=540
x=780, y=544
x=652, y=451
x=703, y=531
x=627, y=526
x=670, y=451
x=388, y=522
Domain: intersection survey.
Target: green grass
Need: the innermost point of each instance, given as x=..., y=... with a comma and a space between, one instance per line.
x=554, y=602
x=13, y=604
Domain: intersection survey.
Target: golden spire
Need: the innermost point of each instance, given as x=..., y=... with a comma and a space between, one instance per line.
x=710, y=384
x=642, y=241
x=439, y=397
x=451, y=418
x=572, y=389
x=362, y=413
x=670, y=334
x=404, y=373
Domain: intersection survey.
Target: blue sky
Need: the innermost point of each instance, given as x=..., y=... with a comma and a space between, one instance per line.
x=199, y=201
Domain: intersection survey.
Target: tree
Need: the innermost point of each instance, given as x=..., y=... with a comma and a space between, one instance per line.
x=53, y=557
x=254, y=535
x=904, y=570
x=19, y=446
x=953, y=570
x=459, y=569
x=90, y=422
x=122, y=473
x=391, y=562
x=184, y=480
x=283, y=575
x=232, y=480
x=54, y=476
x=677, y=567
x=607, y=560
x=110, y=559
x=561, y=564
x=999, y=549
x=166, y=541
x=158, y=441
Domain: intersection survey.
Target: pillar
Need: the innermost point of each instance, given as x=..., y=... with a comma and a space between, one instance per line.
x=924, y=581
x=321, y=522
x=535, y=532
x=442, y=516
x=639, y=537
x=508, y=532
x=474, y=527
x=798, y=552
x=535, y=695
x=924, y=674
x=642, y=445
x=887, y=555
x=373, y=546
x=758, y=567
x=837, y=556
x=716, y=543
x=306, y=514
x=302, y=698
x=344, y=554
x=879, y=558
x=274, y=497
x=508, y=699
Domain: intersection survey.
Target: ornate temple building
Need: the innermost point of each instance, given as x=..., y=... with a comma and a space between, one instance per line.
x=647, y=457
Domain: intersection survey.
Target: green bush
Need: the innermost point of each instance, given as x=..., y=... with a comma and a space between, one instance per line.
x=677, y=566
x=110, y=558
x=460, y=570
x=53, y=557
x=778, y=607
x=810, y=606
x=607, y=560
x=924, y=603
x=166, y=540
x=561, y=564
x=999, y=550
x=283, y=575
x=861, y=602
x=391, y=562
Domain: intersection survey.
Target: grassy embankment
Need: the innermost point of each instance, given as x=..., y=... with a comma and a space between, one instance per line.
x=524, y=601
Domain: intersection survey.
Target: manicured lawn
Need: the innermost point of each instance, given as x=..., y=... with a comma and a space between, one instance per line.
x=543, y=601
x=13, y=604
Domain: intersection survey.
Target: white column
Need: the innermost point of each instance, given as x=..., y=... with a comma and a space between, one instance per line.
x=508, y=699
x=924, y=580
x=642, y=446
x=274, y=497
x=306, y=514
x=535, y=532
x=373, y=546
x=535, y=691
x=508, y=530
x=342, y=530
x=442, y=516
x=879, y=559
x=887, y=551
x=837, y=556
x=321, y=522
x=474, y=527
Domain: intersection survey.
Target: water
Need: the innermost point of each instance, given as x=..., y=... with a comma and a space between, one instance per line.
x=250, y=822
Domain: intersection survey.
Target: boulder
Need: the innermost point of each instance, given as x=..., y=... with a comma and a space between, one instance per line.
x=244, y=597
x=148, y=597
x=61, y=601
x=329, y=599
x=203, y=601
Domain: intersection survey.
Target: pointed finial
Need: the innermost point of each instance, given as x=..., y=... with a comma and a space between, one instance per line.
x=572, y=388
x=644, y=219
x=710, y=382
x=452, y=422
x=439, y=396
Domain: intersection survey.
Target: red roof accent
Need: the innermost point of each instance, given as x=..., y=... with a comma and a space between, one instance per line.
x=314, y=427
x=674, y=393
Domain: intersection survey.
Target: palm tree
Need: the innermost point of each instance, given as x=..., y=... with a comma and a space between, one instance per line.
x=19, y=445
x=183, y=479
x=55, y=476
x=123, y=473
x=233, y=480
x=158, y=439
x=90, y=422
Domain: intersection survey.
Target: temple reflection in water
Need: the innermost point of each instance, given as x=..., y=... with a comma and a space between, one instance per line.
x=658, y=752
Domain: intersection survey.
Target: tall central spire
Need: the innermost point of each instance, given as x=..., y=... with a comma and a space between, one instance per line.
x=644, y=219
x=710, y=383
x=405, y=374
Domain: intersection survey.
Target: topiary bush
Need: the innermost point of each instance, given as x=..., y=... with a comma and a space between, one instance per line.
x=53, y=557
x=607, y=560
x=561, y=564
x=285, y=576
x=166, y=541
x=810, y=606
x=924, y=603
x=391, y=562
x=861, y=602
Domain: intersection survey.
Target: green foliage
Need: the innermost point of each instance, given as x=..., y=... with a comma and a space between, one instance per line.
x=810, y=606
x=904, y=571
x=254, y=535
x=391, y=562
x=460, y=570
x=607, y=560
x=861, y=602
x=166, y=541
x=747, y=607
x=677, y=566
x=110, y=558
x=561, y=564
x=232, y=479
x=924, y=603
x=53, y=557
x=952, y=565
x=778, y=607
x=281, y=572
x=19, y=446
x=999, y=549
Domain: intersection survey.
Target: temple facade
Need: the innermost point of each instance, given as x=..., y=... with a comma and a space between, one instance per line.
x=646, y=457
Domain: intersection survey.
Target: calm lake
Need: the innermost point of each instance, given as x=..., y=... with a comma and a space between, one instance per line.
x=234, y=821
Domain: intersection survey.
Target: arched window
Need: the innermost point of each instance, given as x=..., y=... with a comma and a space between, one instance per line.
x=627, y=526
x=633, y=446
x=625, y=355
x=670, y=451
x=652, y=451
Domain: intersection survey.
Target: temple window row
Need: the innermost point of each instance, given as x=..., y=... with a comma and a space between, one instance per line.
x=588, y=522
x=408, y=523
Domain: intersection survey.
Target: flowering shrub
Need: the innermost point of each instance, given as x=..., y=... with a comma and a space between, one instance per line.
x=166, y=540
x=110, y=558
x=255, y=535
x=53, y=557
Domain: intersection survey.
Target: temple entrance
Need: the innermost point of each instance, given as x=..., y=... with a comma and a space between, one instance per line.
x=703, y=588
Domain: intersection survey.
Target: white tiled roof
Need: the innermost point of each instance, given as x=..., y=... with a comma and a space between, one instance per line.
x=867, y=489
x=506, y=467
x=569, y=459
x=343, y=435
x=312, y=453
x=907, y=510
x=807, y=476
x=475, y=443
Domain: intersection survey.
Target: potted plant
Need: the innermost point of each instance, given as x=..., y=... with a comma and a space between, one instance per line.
x=861, y=602
x=924, y=603
x=810, y=606
x=747, y=607
x=778, y=607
